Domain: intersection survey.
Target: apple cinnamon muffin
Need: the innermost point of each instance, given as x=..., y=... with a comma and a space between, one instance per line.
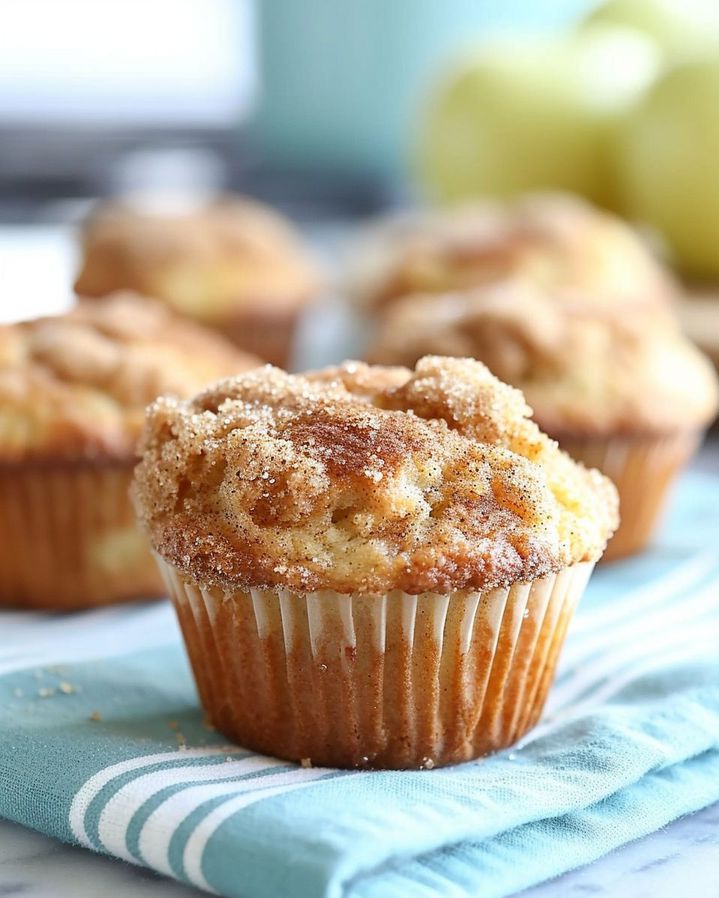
x=620, y=390
x=234, y=265
x=555, y=241
x=73, y=390
x=371, y=566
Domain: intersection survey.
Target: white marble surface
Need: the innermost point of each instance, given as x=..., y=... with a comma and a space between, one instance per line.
x=680, y=860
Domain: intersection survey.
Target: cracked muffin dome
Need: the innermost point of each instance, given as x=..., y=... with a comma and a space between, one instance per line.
x=584, y=368
x=76, y=385
x=206, y=262
x=556, y=241
x=364, y=480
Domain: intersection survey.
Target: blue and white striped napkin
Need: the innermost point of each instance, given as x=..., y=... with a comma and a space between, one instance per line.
x=102, y=744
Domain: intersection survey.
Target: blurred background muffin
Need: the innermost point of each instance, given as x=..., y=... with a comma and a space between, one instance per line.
x=622, y=390
x=73, y=389
x=556, y=241
x=233, y=264
x=571, y=305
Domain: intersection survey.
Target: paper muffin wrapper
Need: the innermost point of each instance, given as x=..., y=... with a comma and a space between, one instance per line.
x=269, y=334
x=643, y=469
x=395, y=681
x=68, y=537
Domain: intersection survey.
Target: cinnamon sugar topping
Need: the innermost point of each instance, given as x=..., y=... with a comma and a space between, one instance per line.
x=207, y=262
x=556, y=241
x=77, y=384
x=361, y=479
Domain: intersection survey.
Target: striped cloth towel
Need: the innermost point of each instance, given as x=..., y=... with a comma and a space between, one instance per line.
x=102, y=744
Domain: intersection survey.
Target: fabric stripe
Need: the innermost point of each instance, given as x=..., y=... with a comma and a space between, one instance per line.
x=120, y=809
x=649, y=595
x=90, y=789
x=196, y=844
x=649, y=637
x=651, y=611
x=159, y=828
x=695, y=648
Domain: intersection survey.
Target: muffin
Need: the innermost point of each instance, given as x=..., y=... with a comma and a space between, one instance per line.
x=233, y=265
x=620, y=390
x=371, y=566
x=73, y=390
x=556, y=241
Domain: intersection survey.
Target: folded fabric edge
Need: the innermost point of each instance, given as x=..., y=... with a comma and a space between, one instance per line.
x=542, y=850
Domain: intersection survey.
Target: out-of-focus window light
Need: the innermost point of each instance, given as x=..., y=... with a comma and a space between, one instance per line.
x=126, y=62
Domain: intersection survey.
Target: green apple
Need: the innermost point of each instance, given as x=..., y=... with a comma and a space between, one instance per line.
x=535, y=113
x=679, y=27
x=668, y=163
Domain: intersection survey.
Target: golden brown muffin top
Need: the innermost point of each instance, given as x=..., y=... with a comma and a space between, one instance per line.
x=584, y=368
x=364, y=480
x=207, y=262
x=76, y=385
x=556, y=241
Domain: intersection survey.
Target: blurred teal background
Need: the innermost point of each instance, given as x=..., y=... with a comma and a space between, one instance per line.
x=341, y=82
x=313, y=105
